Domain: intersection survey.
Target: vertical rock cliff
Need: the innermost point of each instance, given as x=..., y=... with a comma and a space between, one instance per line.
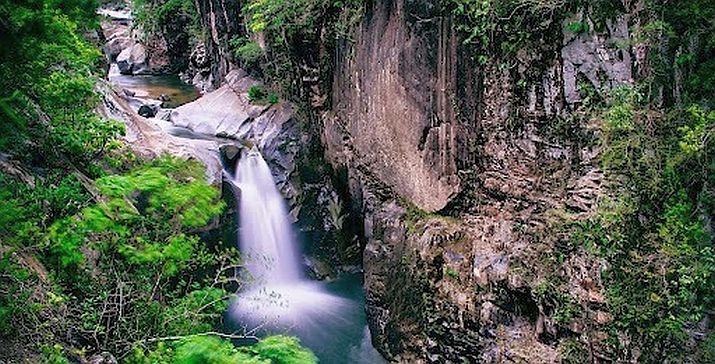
x=461, y=164
x=422, y=126
x=393, y=97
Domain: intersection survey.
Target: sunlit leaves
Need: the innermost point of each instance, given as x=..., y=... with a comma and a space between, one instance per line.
x=213, y=350
x=143, y=215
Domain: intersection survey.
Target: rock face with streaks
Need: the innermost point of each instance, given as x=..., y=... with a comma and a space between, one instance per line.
x=423, y=128
x=393, y=99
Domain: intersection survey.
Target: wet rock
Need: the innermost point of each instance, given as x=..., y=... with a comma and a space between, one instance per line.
x=116, y=31
x=148, y=110
x=144, y=107
x=319, y=269
x=227, y=113
x=230, y=155
x=133, y=60
x=163, y=114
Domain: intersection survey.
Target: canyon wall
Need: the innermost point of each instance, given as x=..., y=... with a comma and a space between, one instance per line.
x=458, y=166
x=421, y=126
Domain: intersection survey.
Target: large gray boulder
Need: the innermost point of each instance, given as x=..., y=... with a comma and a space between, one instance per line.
x=114, y=47
x=133, y=60
x=228, y=113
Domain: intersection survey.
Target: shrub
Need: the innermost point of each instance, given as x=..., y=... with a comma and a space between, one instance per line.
x=213, y=350
x=247, y=51
x=259, y=95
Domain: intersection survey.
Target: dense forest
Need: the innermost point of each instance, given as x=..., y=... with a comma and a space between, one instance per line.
x=579, y=231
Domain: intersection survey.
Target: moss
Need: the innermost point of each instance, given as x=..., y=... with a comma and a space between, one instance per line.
x=416, y=217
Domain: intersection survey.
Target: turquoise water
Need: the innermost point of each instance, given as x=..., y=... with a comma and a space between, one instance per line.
x=335, y=328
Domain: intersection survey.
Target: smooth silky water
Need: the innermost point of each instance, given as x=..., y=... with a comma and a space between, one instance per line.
x=328, y=317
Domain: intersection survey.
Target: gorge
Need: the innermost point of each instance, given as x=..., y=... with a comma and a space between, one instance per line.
x=409, y=181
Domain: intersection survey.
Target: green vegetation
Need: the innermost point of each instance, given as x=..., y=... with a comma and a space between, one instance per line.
x=259, y=95
x=578, y=27
x=293, y=31
x=212, y=350
x=248, y=52
x=652, y=231
x=497, y=29
x=154, y=16
x=99, y=249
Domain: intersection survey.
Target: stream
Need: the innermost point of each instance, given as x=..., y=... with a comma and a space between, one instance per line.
x=327, y=316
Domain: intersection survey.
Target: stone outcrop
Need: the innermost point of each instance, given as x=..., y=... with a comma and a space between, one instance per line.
x=133, y=60
x=132, y=54
x=227, y=112
x=116, y=33
x=149, y=138
x=599, y=58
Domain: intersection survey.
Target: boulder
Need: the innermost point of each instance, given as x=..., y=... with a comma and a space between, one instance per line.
x=148, y=110
x=144, y=107
x=116, y=45
x=230, y=154
x=103, y=358
x=318, y=268
x=227, y=112
x=133, y=60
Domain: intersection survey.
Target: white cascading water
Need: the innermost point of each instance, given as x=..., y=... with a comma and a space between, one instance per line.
x=278, y=293
x=266, y=239
x=279, y=299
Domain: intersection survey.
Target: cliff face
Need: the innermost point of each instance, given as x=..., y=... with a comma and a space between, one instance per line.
x=459, y=166
x=416, y=119
x=393, y=103
x=210, y=62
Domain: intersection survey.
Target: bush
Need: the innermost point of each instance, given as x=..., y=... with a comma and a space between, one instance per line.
x=258, y=95
x=247, y=51
x=213, y=350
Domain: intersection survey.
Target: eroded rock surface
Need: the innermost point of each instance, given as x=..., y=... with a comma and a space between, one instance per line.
x=420, y=128
x=227, y=112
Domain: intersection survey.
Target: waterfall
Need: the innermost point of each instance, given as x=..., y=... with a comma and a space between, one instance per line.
x=265, y=232
x=280, y=300
x=279, y=293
